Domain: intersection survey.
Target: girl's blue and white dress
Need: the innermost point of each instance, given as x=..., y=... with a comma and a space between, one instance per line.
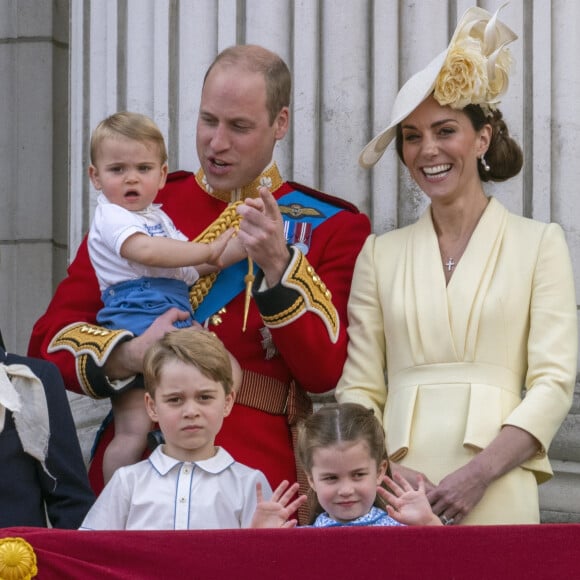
x=375, y=517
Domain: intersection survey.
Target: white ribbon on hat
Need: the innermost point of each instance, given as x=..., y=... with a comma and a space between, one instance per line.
x=22, y=393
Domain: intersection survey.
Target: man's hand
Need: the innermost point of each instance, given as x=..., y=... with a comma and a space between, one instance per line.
x=262, y=234
x=126, y=360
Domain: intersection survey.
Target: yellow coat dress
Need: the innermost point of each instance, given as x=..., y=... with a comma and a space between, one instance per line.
x=446, y=366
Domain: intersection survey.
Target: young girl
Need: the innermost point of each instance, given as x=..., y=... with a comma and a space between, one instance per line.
x=342, y=450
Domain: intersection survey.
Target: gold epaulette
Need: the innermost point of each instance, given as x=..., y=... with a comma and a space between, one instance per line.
x=314, y=296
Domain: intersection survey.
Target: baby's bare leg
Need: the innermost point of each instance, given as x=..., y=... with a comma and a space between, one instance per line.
x=131, y=427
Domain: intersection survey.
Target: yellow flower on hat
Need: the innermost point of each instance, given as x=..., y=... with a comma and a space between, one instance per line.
x=463, y=78
x=17, y=559
x=476, y=68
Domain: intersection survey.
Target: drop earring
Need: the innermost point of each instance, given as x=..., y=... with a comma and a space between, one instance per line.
x=484, y=164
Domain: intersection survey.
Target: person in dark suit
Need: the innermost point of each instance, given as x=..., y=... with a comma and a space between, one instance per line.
x=43, y=479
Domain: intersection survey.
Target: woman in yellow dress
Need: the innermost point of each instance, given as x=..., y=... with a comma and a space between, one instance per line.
x=463, y=326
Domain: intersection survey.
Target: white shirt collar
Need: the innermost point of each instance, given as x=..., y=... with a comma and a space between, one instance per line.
x=163, y=463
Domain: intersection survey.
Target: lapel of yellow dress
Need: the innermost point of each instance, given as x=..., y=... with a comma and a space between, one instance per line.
x=426, y=297
x=469, y=285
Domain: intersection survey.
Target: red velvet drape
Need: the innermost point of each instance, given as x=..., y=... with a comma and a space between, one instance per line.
x=495, y=552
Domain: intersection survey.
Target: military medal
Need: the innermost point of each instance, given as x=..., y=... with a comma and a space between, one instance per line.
x=298, y=234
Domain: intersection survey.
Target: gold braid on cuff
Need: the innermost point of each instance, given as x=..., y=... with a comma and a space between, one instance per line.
x=86, y=341
x=81, y=338
x=314, y=297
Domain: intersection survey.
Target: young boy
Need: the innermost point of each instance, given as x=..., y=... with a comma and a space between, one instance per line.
x=144, y=265
x=188, y=483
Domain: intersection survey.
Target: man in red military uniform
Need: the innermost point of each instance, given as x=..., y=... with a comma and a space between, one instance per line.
x=303, y=243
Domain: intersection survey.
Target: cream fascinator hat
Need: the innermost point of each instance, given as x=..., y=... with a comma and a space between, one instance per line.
x=472, y=70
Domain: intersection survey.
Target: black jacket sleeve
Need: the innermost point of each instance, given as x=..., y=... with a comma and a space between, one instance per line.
x=66, y=495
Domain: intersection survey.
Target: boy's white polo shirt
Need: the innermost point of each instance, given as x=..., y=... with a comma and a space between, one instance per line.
x=163, y=493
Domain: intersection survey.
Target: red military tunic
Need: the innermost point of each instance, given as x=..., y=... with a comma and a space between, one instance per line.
x=305, y=351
